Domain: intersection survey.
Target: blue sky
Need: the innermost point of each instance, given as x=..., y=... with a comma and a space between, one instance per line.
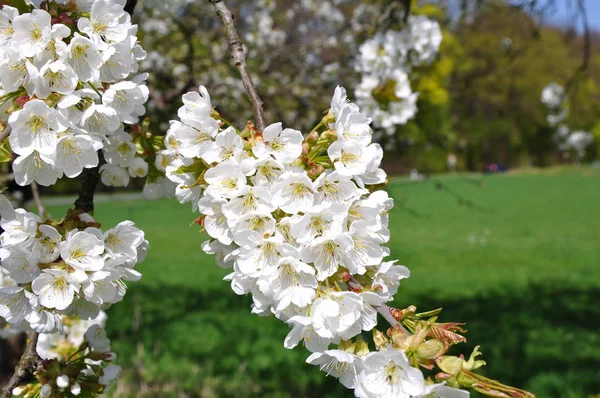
x=566, y=8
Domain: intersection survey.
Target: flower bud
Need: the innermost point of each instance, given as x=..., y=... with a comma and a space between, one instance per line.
x=312, y=138
x=430, y=350
x=315, y=171
x=380, y=339
x=362, y=348
x=75, y=389
x=22, y=100
x=450, y=364
x=305, y=148
x=345, y=277
x=62, y=381
x=46, y=391
x=19, y=390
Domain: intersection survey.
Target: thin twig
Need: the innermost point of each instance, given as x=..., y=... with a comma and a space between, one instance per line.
x=460, y=199
x=587, y=44
x=27, y=365
x=382, y=309
x=239, y=56
x=35, y=190
x=5, y=133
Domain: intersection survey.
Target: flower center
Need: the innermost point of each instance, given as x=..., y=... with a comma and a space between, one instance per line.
x=37, y=123
x=36, y=33
x=348, y=158
x=77, y=254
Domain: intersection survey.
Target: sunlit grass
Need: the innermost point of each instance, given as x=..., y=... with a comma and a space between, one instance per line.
x=520, y=264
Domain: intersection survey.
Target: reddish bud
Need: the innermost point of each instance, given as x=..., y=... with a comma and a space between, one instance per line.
x=443, y=376
x=22, y=100
x=65, y=19
x=305, y=148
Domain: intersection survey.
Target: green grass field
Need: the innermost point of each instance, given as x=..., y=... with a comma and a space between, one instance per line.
x=520, y=266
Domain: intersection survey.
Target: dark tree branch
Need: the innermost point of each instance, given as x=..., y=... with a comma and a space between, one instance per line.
x=239, y=56
x=27, y=365
x=407, y=4
x=85, y=201
x=130, y=6
x=582, y=11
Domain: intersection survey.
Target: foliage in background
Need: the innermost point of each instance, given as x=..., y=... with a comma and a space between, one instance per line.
x=479, y=99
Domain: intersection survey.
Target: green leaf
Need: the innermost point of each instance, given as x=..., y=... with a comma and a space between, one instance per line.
x=5, y=155
x=21, y=6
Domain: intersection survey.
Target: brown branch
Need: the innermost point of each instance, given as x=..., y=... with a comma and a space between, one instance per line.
x=90, y=177
x=5, y=133
x=587, y=44
x=239, y=56
x=26, y=367
x=382, y=309
x=35, y=190
x=407, y=4
x=130, y=6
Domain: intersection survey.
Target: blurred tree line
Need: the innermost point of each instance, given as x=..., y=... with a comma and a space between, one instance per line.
x=480, y=99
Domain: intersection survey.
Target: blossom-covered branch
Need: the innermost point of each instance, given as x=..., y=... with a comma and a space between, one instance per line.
x=30, y=359
x=302, y=223
x=71, y=96
x=239, y=56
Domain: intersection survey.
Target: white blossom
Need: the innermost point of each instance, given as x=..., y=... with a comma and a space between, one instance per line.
x=338, y=363
x=83, y=251
x=56, y=288
x=388, y=374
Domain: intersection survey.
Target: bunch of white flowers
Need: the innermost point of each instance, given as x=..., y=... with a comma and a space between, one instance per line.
x=553, y=95
x=77, y=361
x=298, y=220
x=577, y=141
x=66, y=343
x=67, y=268
x=261, y=31
x=385, y=62
x=68, y=88
x=554, y=99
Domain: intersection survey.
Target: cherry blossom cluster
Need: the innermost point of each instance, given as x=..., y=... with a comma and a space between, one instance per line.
x=69, y=87
x=385, y=62
x=61, y=268
x=554, y=99
x=575, y=141
x=76, y=361
x=301, y=224
x=261, y=30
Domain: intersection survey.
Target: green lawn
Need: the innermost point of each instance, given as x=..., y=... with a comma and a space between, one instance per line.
x=520, y=265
